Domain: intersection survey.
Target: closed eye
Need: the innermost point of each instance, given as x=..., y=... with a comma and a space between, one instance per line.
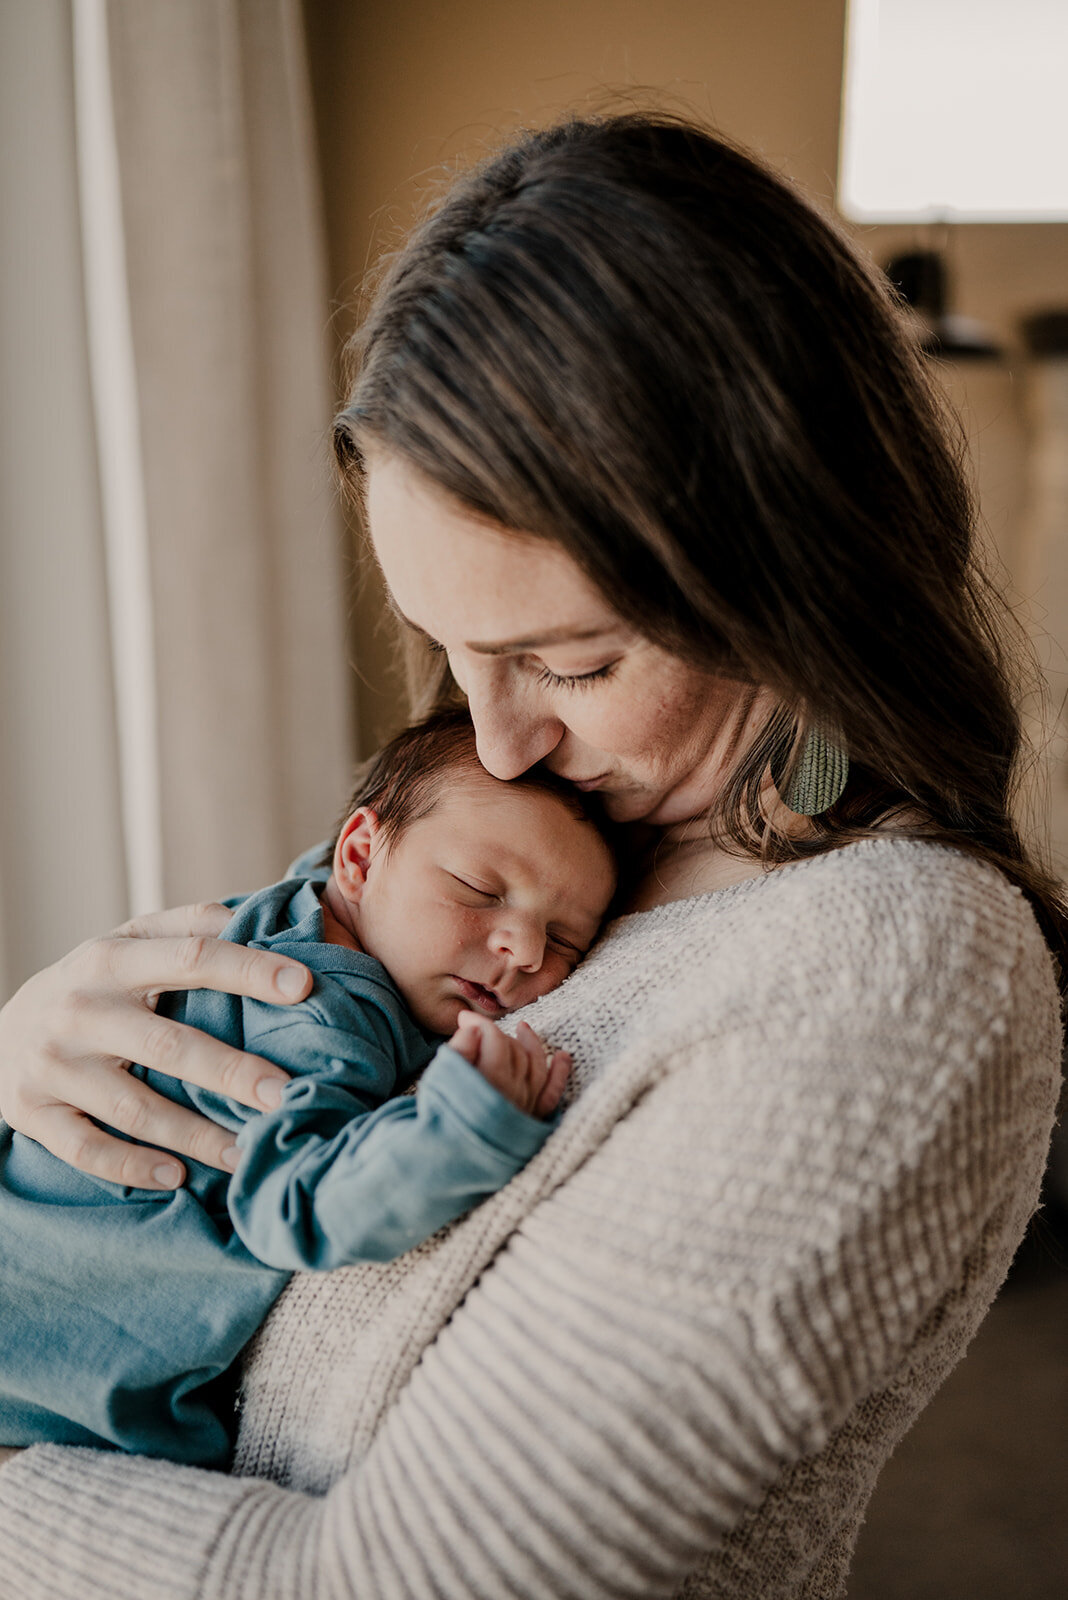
x=574, y=680
x=475, y=888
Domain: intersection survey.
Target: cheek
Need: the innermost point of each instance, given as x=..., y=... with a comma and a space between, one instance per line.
x=553, y=972
x=680, y=720
x=618, y=723
x=452, y=929
x=641, y=728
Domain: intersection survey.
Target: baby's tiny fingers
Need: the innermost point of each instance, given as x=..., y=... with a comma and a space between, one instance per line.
x=554, y=1085
x=535, y=1049
x=467, y=1040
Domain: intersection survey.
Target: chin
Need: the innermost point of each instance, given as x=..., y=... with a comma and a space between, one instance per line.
x=445, y=1026
x=440, y=1019
x=627, y=806
x=673, y=809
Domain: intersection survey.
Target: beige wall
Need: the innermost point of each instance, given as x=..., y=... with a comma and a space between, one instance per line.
x=404, y=87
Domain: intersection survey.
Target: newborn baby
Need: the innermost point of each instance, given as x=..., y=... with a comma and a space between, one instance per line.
x=453, y=899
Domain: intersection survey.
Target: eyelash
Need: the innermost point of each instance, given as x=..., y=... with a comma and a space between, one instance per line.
x=559, y=680
x=573, y=680
x=474, y=888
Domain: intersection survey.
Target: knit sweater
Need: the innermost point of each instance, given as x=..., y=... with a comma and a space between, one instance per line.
x=670, y=1357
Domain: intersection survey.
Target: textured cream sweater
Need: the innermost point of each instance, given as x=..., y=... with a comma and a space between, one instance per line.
x=671, y=1356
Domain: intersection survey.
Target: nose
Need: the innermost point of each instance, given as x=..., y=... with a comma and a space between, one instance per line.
x=521, y=938
x=511, y=734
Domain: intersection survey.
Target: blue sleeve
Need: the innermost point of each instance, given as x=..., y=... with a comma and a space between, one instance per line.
x=331, y=1178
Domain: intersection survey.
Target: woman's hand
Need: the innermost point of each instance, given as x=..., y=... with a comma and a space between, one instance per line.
x=68, y=1035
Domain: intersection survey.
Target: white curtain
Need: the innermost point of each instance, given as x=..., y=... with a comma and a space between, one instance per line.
x=175, y=716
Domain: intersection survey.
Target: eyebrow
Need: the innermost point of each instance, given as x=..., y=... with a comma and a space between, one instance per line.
x=549, y=636
x=538, y=641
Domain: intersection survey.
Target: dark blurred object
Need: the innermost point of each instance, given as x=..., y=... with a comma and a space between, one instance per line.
x=1045, y=333
x=922, y=280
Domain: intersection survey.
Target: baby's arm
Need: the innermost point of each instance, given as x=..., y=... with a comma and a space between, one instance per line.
x=331, y=1178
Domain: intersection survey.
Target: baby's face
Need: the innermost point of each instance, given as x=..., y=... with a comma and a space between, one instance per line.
x=486, y=903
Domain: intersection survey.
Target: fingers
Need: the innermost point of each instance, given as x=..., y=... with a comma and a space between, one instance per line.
x=520, y=1067
x=150, y=966
x=495, y=1053
x=210, y=917
x=115, y=1097
x=534, y=1060
x=496, y=1049
x=71, y=1136
x=547, y=1071
x=120, y=1033
x=467, y=1040
x=554, y=1085
x=66, y=1035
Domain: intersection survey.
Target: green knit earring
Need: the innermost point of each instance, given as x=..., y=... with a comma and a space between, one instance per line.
x=821, y=776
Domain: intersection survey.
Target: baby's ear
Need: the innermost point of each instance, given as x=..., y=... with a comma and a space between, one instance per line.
x=352, y=853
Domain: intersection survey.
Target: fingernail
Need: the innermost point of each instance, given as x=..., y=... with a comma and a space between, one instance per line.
x=230, y=1156
x=269, y=1092
x=167, y=1174
x=291, y=981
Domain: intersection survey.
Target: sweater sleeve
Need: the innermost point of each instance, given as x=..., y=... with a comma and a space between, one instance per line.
x=699, y=1302
x=331, y=1178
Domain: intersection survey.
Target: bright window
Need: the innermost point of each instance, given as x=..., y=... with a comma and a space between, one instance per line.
x=955, y=109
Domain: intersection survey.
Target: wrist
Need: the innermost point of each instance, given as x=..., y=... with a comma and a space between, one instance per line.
x=480, y=1104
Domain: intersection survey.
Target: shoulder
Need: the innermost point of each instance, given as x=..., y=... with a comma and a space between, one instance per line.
x=287, y=909
x=880, y=1020
x=352, y=990
x=889, y=997
x=887, y=918
x=888, y=961
x=931, y=934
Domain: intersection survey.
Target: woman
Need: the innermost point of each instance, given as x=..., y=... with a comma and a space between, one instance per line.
x=647, y=457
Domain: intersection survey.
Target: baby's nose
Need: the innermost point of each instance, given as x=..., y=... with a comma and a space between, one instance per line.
x=523, y=939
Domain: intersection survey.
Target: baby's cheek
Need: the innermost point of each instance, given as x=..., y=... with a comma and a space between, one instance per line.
x=463, y=932
x=551, y=976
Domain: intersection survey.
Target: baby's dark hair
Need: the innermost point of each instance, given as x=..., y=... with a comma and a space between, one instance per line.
x=403, y=781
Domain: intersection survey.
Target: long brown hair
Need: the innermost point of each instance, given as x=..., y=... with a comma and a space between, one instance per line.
x=625, y=335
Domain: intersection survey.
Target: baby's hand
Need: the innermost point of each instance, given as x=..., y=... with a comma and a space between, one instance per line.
x=522, y=1069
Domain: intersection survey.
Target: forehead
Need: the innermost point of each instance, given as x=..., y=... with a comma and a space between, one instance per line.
x=451, y=572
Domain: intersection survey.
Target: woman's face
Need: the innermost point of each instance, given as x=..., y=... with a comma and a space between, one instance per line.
x=551, y=672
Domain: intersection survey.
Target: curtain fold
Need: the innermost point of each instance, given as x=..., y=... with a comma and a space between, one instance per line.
x=175, y=706
x=226, y=277
x=62, y=861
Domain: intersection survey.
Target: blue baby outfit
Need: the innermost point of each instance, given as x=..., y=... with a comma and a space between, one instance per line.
x=123, y=1310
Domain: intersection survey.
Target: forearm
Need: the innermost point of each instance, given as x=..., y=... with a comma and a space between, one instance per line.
x=102, y=1524
x=387, y=1179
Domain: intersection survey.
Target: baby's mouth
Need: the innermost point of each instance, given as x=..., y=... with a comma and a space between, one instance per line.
x=477, y=995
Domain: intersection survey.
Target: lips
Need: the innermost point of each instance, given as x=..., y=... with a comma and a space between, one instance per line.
x=481, y=998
